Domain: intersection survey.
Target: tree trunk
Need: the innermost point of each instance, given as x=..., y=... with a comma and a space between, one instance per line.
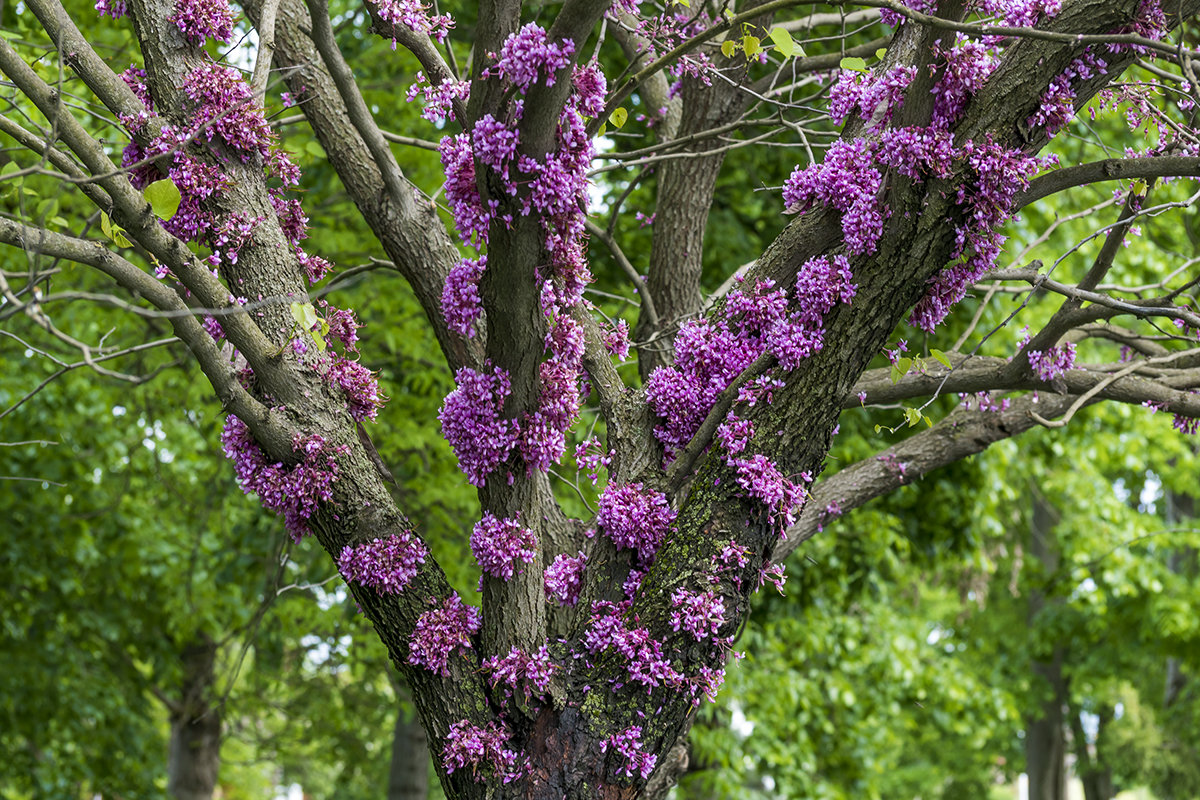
x=408, y=777
x=1178, y=508
x=1090, y=765
x=1045, y=746
x=194, y=756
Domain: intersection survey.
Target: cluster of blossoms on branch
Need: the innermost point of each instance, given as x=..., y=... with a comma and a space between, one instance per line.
x=1052, y=362
x=628, y=744
x=555, y=190
x=441, y=632
x=222, y=112
x=385, y=565
x=501, y=545
x=483, y=750
x=293, y=491
x=529, y=673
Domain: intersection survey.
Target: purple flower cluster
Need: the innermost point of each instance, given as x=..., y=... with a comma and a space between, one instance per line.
x=481, y=749
x=699, y=613
x=893, y=19
x=564, y=578
x=1186, y=425
x=1053, y=362
x=357, y=383
x=441, y=632
x=616, y=341
x=438, y=99
x=706, y=684
x=112, y=8
x=472, y=422
x=647, y=664
x=500, y=545
x=874, y=98
x=213, y=328
x=629, y=744
x=1021, y=13
x=295, y=491
x=1000, y=173
x=225, y=108
x=343, y=325
x=385, y=565
x=528, y=53
x=544, y=432
x=135, y=79
x=968, y=64
x=522, y=670
x=635, y=517
x=590, y=456
x=984, y=401
x=412, y=15
x=1058, y=102
x=709, y=354
x=471, y=218
x=757, y=474
x=847, y=180
x=199, y=20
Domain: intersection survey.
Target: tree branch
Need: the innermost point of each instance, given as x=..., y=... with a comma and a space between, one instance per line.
x=1110, y=169
x=962, y=433
x=263, y=421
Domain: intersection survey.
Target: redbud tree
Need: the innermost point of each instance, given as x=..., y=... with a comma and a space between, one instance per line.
x=705, y=419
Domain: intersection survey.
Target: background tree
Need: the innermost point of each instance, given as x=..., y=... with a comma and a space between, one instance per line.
x=601, y=635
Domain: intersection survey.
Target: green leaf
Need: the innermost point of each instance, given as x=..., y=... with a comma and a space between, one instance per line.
x=853, y=63
x=8, y=169
x=878, y=428
x=728, y=48
x=940, y=356
x=880, y=53
x=784, y=43
x=163, y=197
x=315, y=150
x=305, y=315
x=320, y=341
x=114, y=232
x=603, y=129
x=912, y=416
x=618, y=116
x=752, y=45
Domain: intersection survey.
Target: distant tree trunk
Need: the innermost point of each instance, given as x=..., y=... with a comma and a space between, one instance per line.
x=1092, y=768
x=408, y=777
x=194, y=755
x=1179, y=507
x=1045, y=745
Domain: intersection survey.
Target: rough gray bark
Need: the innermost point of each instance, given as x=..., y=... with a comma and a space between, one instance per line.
x=194, y=752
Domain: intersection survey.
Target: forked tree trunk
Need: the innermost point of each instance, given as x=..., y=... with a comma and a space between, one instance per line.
x=194, y=754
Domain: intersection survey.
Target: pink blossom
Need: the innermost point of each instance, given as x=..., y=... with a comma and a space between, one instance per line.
x=386, y=565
